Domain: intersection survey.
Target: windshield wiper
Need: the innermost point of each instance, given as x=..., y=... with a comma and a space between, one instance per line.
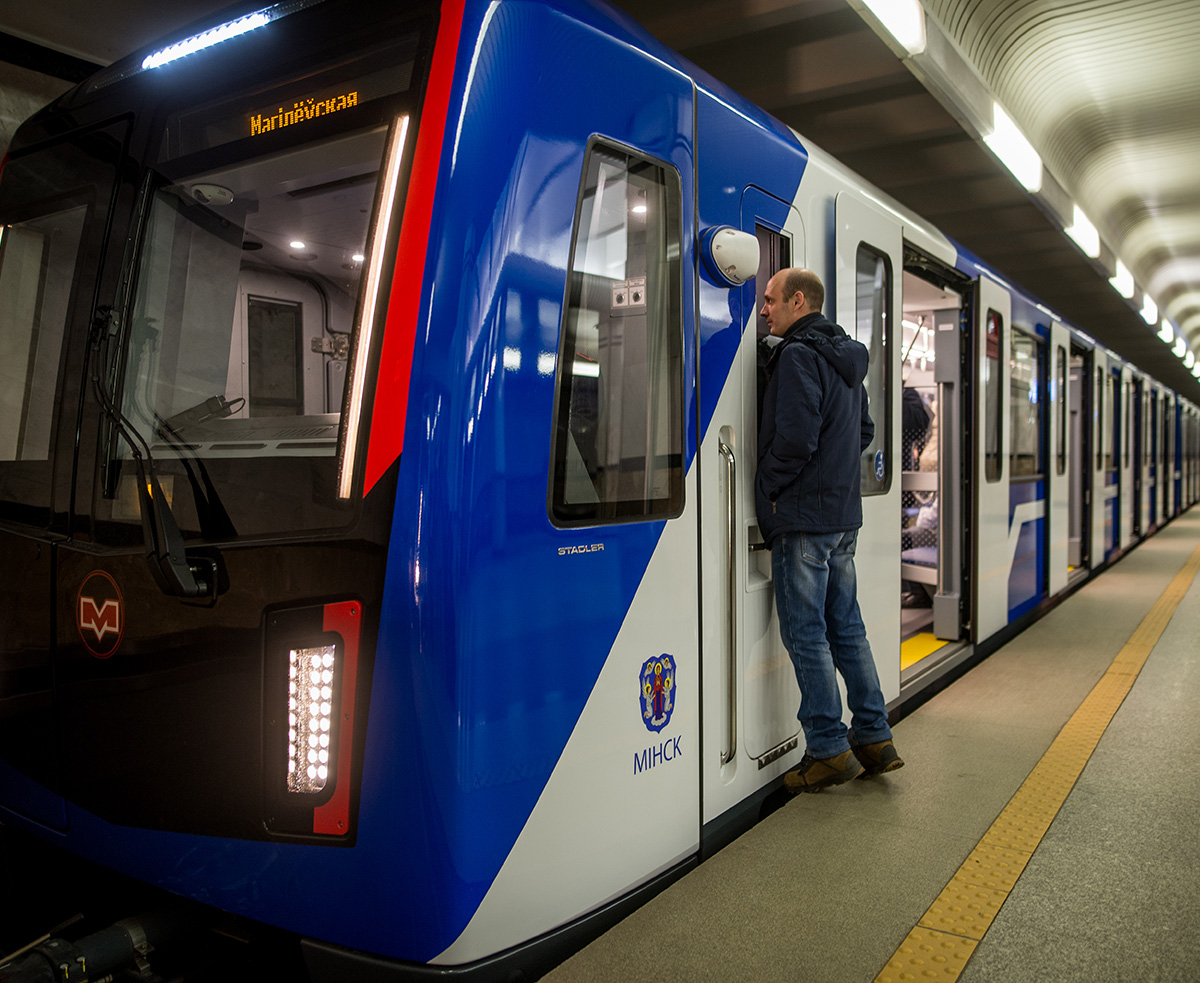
x=214, y=520
x=170, y=566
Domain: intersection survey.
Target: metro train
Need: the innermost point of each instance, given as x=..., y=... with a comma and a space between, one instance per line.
x=376, y=484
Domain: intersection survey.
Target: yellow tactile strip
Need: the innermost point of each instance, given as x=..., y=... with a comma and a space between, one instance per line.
x=946, y=936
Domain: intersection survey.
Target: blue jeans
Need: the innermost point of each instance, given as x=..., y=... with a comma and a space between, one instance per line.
x=816, y=595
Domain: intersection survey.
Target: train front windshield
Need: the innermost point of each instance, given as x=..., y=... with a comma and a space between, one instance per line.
x=239, y=332
x=237, y=350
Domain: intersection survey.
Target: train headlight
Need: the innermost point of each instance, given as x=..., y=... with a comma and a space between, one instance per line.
x=312, y=673
x=309, y=696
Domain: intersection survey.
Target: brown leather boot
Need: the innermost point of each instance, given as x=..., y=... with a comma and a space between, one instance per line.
x=877, y=758
x=815, y=774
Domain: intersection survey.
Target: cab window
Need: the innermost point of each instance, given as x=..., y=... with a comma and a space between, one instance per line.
x=618, y=435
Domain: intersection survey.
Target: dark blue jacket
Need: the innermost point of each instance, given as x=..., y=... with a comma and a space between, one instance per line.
x=814, y=429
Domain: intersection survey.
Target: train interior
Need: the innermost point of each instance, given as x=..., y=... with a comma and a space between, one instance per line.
x=927, y=429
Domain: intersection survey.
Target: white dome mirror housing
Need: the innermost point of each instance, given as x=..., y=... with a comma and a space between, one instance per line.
x=730, y=255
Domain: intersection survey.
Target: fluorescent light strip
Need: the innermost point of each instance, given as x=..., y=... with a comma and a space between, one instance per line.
x=1149, y=310
x=366, y=324
x=1122, y=281
x=904, y=20
x=1084, y=233
x=1015, y=152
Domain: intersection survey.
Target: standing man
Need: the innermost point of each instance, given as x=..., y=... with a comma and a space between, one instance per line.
x=814, y=429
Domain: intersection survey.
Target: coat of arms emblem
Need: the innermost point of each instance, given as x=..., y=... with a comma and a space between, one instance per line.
x=658, y=692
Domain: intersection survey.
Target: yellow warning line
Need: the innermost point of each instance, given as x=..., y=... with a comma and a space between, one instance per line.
x=946, y=936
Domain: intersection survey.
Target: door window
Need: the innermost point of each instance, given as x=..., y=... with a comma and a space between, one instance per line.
x=618, y=437
x=1061, y=439
x=993, y=420
x=1025, y=450
x=872, y=318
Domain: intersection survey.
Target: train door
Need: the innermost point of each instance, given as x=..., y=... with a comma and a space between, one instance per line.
x=1080, y=439
x=992, y=554
x=1058, y=461
x=1127, y=493
x=1149, y=462
x=869, y=266
x=764, y=696
x=54, y=207
x=1104, y=475
x=930, y=463
x=1177, y=448
x=1122, y=462
x=1166, y=465
x=1154, y=465
x=750, y=730
x=1137, y=441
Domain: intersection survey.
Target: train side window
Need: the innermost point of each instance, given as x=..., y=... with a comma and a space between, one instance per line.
x=1110, y=424
x=872, y=320
x=618, y=437
x=1147, y=426
x=37, y=266
x=1099, y=419
x=53, y=204
x=1127, y=419
x=1061, y=444
x=1025, y=450
x=993, y=422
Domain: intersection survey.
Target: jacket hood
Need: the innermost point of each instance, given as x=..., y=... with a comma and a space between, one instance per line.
x=848, y=357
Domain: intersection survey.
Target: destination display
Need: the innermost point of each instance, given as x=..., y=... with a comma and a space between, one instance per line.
x=297, y=103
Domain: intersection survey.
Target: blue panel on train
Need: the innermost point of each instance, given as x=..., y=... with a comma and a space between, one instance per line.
x=492, y=641
x=1027, y=576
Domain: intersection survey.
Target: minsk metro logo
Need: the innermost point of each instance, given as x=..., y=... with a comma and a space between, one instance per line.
x=100, y=614
x=658, y=692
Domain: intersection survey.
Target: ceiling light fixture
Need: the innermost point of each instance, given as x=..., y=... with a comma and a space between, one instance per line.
x=1084, y=233
x=903, y=19
x=1122, y=281
x=1166, y=333
x=1015, y=152
x=1149, y=310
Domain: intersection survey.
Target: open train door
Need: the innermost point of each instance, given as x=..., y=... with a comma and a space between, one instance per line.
x=869, y=269
x=1059, y=461
x=992, y=557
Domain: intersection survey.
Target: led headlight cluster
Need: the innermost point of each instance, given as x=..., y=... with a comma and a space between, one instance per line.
x=311, y=674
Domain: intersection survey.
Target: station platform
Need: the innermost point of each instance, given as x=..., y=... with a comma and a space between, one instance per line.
x=1043, y=827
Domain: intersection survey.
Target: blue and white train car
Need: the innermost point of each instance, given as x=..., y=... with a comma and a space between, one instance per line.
x=377, y=448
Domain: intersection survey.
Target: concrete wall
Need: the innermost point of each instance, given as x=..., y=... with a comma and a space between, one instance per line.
x=22, y=93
